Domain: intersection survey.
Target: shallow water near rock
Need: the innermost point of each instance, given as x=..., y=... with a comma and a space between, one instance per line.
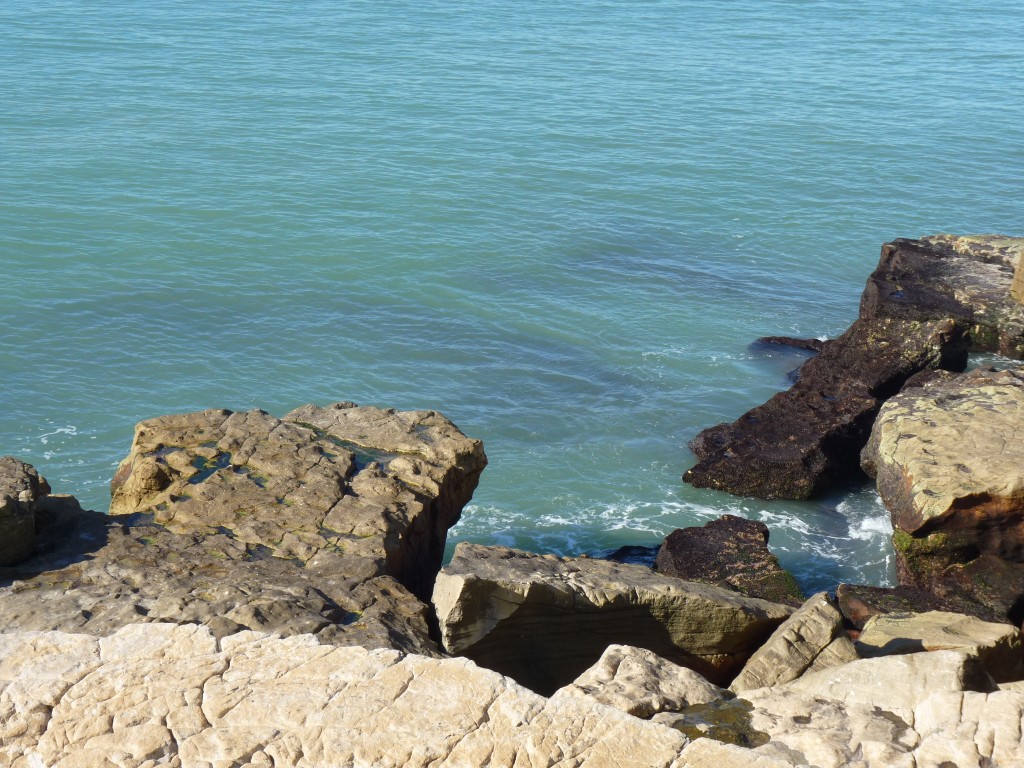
x=561, y=226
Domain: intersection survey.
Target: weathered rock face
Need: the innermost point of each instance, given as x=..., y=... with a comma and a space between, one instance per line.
x=20, y=488
x=542, y=620
x=941, y=728
x=927, y=302
x=244, y=521
x=807, y=438
x=375, y=484
x=998, y=646
x=949, y=462
x=731, y=552
x=641, y=683
x=167, y=695
x=809, y=640
x=897, y=683
x=159, y=694
x=967, y=279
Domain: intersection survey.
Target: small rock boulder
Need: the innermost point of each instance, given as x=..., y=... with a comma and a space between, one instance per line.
x=543, y=620
x=641, y=683
x=20, y=488
x=731, y=552
x=948, y=459
x=999, y=646
x=810, y=640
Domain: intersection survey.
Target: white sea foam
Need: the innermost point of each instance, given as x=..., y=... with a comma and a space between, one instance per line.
x=68, y=430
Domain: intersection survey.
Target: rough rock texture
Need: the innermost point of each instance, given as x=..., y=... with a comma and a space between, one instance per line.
x=243, y=521
x=949, y=462
x=172, y=695
x=543, y=620
x=811, y=639
x=808, y=437
x=641, y=683
x=999, y=646
x=168, y=695
x=950, y=729
x=927, y=302
x=968, y=278
x=20, y=488
x=896, y=683
x=731, y=552
x=380, y=485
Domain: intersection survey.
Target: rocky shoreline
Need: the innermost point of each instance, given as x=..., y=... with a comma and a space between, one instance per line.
x=270, y=592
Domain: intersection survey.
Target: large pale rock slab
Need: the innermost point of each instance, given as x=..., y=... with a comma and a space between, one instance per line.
x=542, y=620
x=20, y=488
x=999, y=646
x=328, y=521
x=948, y=458
x=730, y=552
x=971, y=729
x=810, y=640
x=810, y=729
x=161, y=695
x=897, y=683
x=641, y=683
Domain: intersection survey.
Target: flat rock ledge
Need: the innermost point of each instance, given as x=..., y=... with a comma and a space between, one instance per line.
x=172, y=695
x=330, y=521
x=542, y=619
x=925, y=306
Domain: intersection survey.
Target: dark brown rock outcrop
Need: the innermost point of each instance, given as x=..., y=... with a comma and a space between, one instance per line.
x=731, y=552
x=928, y=302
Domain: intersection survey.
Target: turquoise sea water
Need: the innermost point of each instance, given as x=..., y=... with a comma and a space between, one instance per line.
x=561, y=224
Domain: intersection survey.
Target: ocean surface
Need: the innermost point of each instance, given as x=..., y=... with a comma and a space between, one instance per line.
x=560, y=224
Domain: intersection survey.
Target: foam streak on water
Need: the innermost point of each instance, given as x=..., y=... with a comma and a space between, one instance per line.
x=560, y=224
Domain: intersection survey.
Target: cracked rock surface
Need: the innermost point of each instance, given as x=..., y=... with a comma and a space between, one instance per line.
x=171, y=695
x=329, y=521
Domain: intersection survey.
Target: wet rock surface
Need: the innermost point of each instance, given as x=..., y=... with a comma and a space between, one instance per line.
x=926, y=304
x=543, y=620
x=243, y=521
x=731, y=552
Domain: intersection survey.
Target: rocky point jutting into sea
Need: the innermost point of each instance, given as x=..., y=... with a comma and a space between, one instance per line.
x=269, y=592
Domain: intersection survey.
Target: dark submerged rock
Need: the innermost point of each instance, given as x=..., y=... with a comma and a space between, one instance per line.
x=731, y=552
